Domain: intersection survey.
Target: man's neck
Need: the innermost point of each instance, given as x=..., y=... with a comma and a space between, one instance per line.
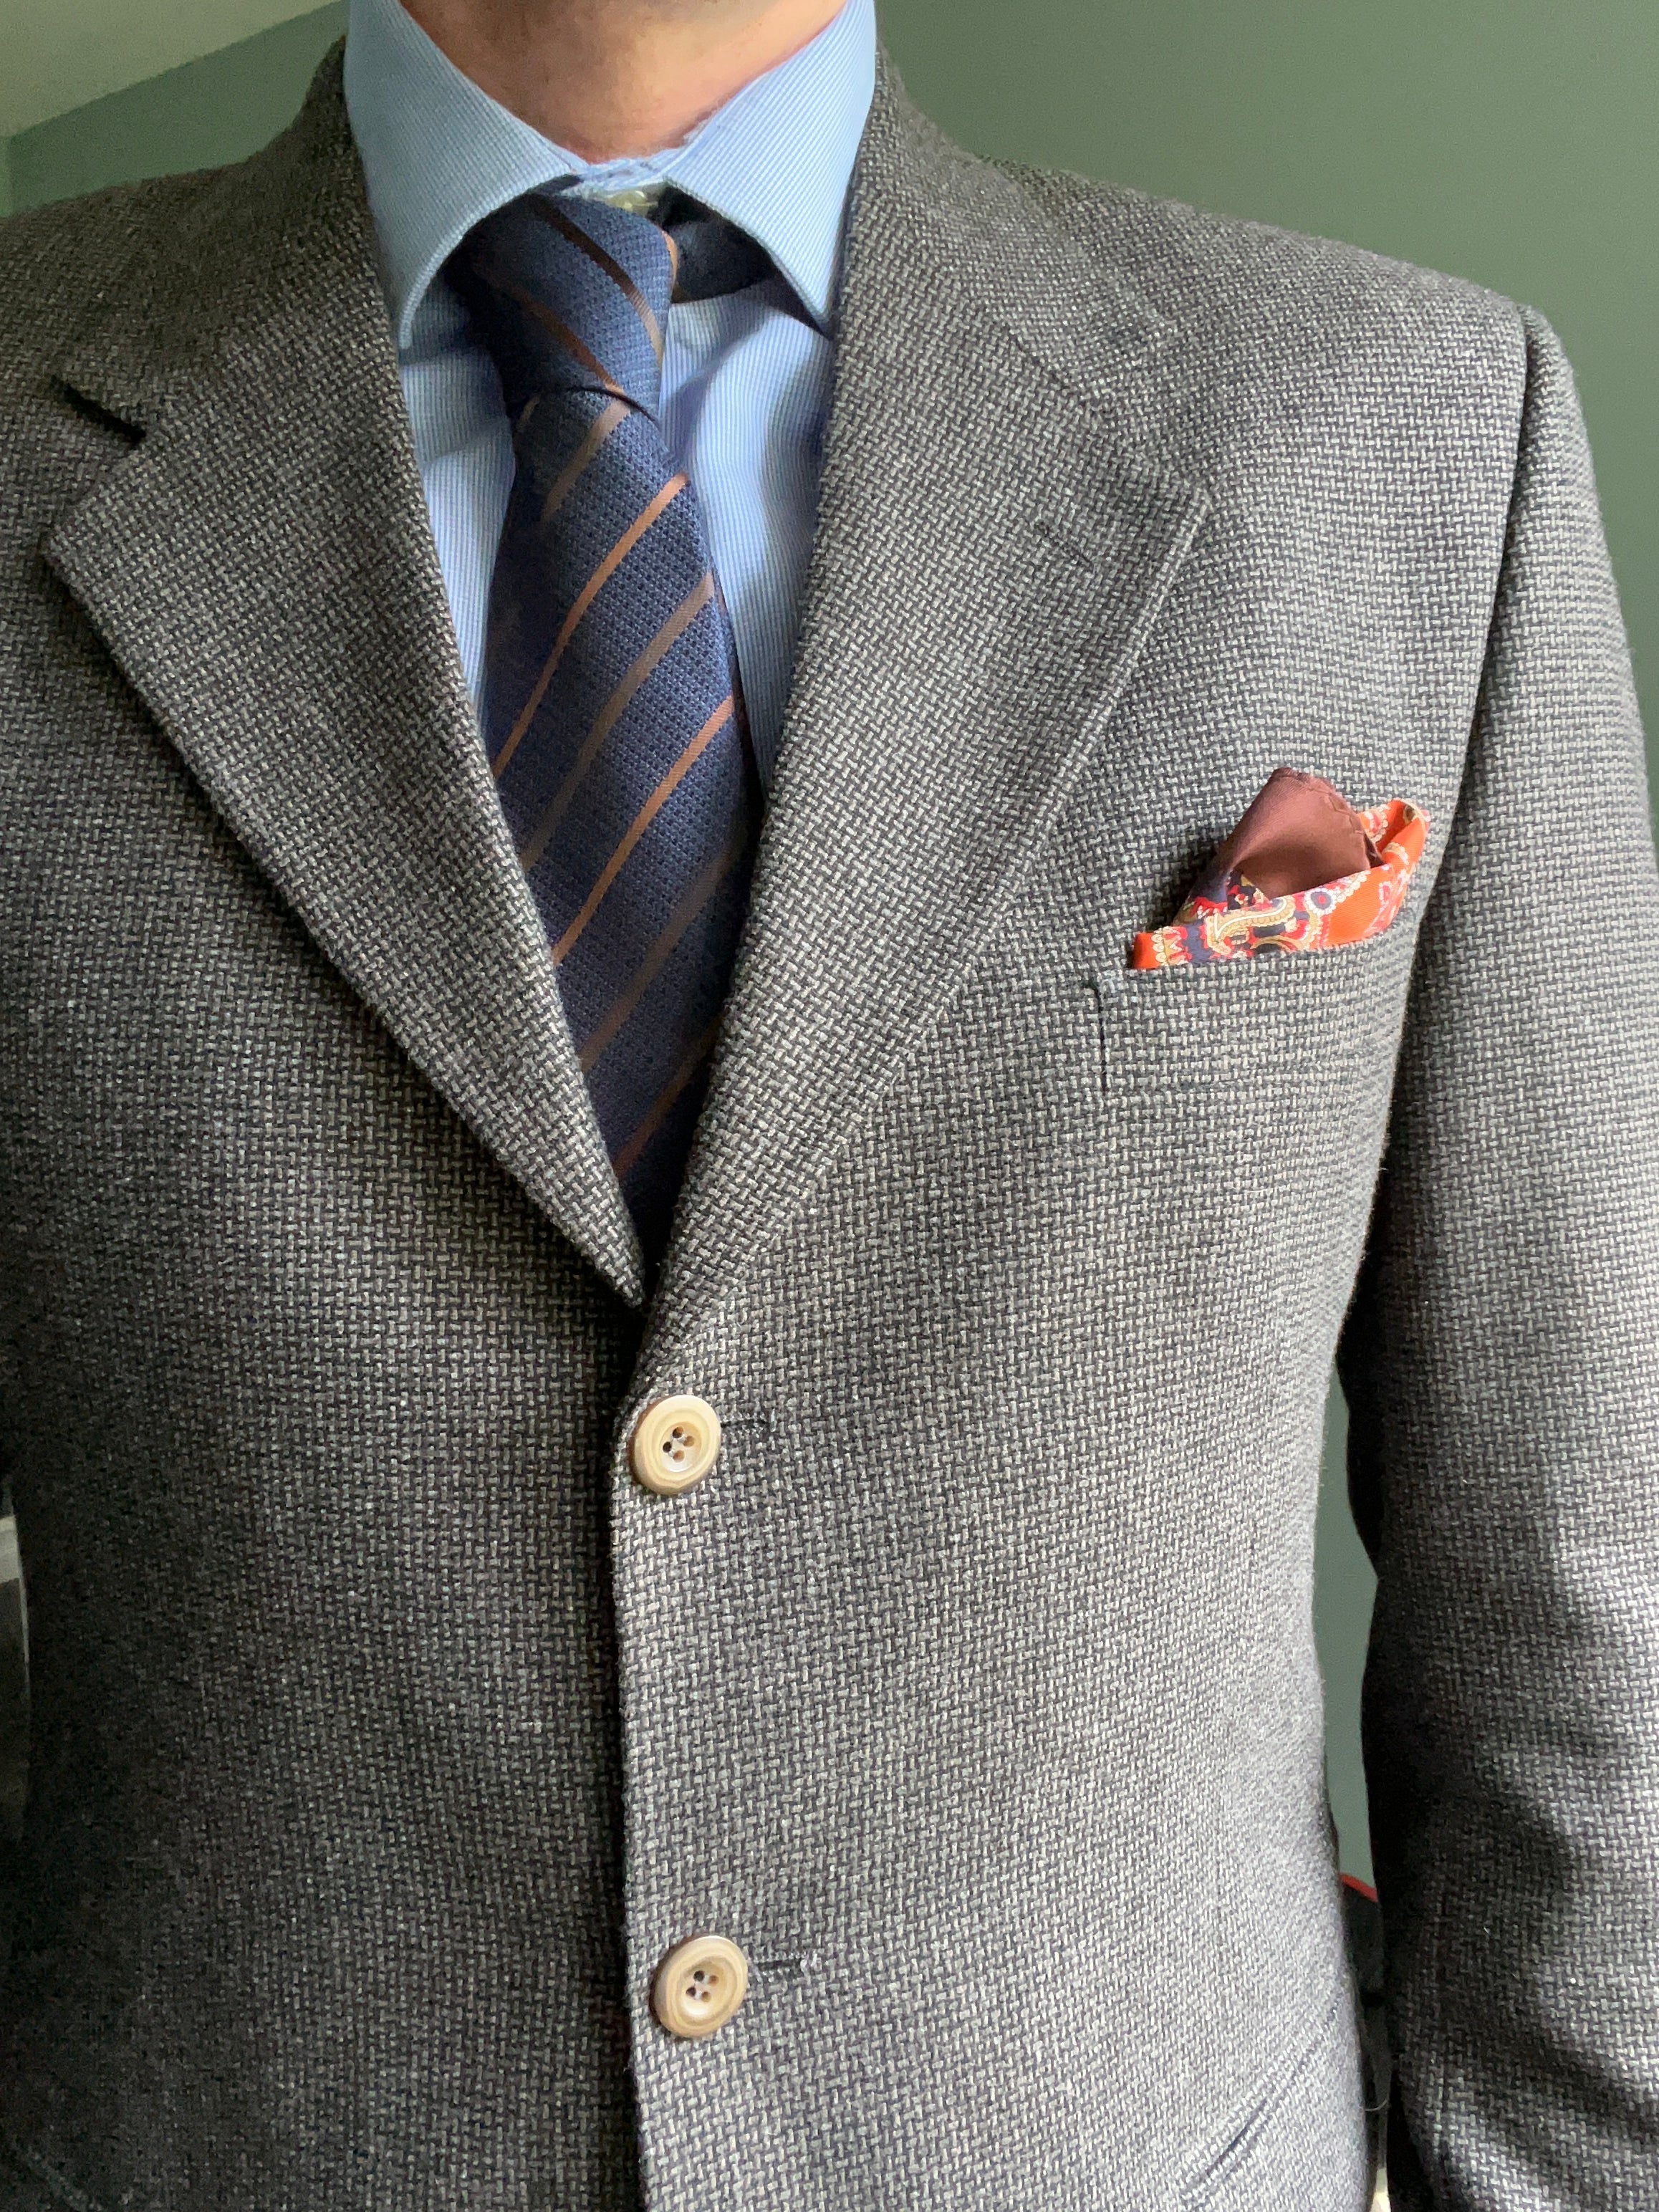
x=610, y=78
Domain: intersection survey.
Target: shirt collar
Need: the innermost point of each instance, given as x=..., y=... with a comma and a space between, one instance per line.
x=438, y=154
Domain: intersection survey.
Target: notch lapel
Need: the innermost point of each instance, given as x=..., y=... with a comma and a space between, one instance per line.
x=262, y=568
x=991, y=557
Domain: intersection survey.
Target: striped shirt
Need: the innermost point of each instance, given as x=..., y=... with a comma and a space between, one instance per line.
x=746, y=378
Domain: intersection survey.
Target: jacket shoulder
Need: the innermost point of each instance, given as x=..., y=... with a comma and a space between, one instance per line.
x=1291, y=301
x=150, y=250
x=60, y=264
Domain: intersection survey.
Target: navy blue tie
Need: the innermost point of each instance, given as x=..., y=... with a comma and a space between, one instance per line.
x=612, y=712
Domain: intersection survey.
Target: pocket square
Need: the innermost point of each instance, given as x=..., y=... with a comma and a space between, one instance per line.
x=1302, y=872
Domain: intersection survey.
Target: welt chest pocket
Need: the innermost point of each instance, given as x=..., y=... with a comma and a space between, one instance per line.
x=1245, y=1107
x=1278, y=1031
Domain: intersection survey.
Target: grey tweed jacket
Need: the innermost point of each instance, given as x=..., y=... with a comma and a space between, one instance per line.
x=388, y=1733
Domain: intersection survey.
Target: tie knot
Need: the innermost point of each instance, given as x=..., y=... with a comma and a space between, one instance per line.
x=568, y=295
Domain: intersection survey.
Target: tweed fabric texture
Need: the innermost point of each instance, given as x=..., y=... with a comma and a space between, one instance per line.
x=388, y=1735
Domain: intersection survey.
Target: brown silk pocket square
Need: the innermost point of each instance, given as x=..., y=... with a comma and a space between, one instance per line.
x=1303, y=871
x=1298, y=831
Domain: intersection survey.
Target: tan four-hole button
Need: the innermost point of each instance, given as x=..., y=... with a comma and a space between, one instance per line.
x=674, y=1444
x=699, y=1985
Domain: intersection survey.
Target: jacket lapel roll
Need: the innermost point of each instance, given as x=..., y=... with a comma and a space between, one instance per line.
x=261, y=567
x=990, y=560
x=991, y=557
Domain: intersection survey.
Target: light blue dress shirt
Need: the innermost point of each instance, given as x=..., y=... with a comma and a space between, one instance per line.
x=746, y=378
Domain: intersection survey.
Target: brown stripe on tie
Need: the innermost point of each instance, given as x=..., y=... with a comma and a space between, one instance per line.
x=560, y=330
x=555, y=216
x=610, y=714
x=663, y=1105
x=616, y=412
x=594, y=1047
x=585, y=598
x=642, y=821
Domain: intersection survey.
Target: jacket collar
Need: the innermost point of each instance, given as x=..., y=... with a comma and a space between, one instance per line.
x=990, y=558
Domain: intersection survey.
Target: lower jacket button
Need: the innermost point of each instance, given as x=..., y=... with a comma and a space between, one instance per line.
x=699, y=1985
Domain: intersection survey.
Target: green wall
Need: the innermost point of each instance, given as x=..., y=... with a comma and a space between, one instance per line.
x=214, y=109
x=1510, y=141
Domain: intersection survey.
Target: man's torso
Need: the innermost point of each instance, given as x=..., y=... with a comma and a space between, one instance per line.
x=386, y=1732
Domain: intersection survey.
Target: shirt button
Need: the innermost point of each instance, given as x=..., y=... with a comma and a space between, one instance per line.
x=699, y=1985
x=674, y=1444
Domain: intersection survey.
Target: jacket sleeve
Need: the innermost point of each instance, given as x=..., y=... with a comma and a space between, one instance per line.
x=1501, y=1359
